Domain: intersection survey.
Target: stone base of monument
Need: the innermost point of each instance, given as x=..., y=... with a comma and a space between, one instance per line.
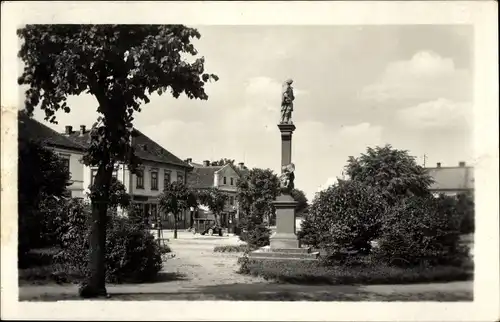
x=284, y=244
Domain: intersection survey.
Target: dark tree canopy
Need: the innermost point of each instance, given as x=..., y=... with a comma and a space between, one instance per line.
x=258, y=190
x=121, y=65
x=300, y=197
x=222, y=162
x=392, y=171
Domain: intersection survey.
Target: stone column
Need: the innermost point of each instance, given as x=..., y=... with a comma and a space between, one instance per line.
x=285, y=237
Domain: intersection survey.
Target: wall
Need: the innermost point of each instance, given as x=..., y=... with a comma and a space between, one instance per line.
x=76, y=169
x=228, y=172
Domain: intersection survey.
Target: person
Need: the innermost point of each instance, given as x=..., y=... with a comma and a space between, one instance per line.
x=287, y=99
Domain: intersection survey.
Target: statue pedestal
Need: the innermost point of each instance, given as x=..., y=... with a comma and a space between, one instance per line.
x=285, y=236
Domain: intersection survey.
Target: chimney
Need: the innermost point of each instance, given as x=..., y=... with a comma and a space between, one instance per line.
x=461, y=164
x=206, y=163
x=69, y=129
x=241, y=165
x=189, y=160
x=82, y=129
x=439, y=164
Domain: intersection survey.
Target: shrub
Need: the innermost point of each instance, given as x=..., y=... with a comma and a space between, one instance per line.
x=230, y=249
x=422, y=231
x=345, y=216
x=256, y=235
x=310, y=272
x=465, y=206
x=132, y=254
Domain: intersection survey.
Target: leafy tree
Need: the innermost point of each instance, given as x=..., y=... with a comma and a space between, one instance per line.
x=42, y=180
x=118, y=195
x=222, y=162
x=176, y=198
x=120, y=65
x=215, y=200
x=300, y=197
x=256, y=192
x=392, y=171
x=347, y=215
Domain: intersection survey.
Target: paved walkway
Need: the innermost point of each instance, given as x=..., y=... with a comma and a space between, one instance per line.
x=197, y=273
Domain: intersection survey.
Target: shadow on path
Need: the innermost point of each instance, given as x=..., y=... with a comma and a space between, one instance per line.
x=270, y=292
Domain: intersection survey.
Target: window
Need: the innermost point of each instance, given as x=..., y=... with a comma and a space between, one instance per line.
x=180, y=177
x=166, y=179
x=154, y=180
x=140, y=179
x=65, y=161
x=232, y=181
x=231, y=200
x=93, y=173
x=224, y=180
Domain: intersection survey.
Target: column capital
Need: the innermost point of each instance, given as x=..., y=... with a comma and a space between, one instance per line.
x=286, y=128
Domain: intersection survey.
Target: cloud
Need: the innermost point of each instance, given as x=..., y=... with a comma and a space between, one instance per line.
x=426, y=76
x=438, y=114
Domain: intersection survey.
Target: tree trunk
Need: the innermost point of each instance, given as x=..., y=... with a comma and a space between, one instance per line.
x=175, y=226
x=95, y=285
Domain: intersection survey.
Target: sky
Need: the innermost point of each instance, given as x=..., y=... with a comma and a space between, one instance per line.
x=356, y=87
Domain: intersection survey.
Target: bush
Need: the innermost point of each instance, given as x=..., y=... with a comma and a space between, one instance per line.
x=256, y=235
x=465, y=206
x=132, y=254
x=346, y=216
x=422, y=231
x=230, y=249
x=310, y=272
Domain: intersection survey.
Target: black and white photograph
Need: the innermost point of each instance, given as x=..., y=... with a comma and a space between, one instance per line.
x=221, y=164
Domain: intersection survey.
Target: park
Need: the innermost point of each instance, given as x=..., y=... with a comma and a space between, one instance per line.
x=379, y=234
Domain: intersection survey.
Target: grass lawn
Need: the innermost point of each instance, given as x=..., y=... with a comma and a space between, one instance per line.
x=304, y=272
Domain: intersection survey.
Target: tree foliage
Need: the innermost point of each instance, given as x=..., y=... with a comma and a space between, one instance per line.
x=257, y=191
x=118, y=195
x=223, y=162
x=176, y=198
x=300, y=197
x=215, y=200
x=121, y=66
x=42, y=181
x=422, y=230
x=394, y=172
x=346, y=216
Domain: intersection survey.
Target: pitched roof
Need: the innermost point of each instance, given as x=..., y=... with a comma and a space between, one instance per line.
x=452, y=178
x=31, y=129
x=145, y=148
x=202, y=177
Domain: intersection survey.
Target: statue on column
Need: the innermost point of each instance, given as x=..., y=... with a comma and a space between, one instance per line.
x=287, y=99
x=287, y=177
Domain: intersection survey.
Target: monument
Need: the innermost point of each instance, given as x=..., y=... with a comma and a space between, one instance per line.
x=284, y=244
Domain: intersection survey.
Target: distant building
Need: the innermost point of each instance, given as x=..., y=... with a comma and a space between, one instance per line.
x=204, y=176
x=452, y=180
x=158, y=167
x=70, y=151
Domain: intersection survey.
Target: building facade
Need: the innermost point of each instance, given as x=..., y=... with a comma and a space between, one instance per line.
x=225, y=177
x=158, y=167
x=452, y=180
